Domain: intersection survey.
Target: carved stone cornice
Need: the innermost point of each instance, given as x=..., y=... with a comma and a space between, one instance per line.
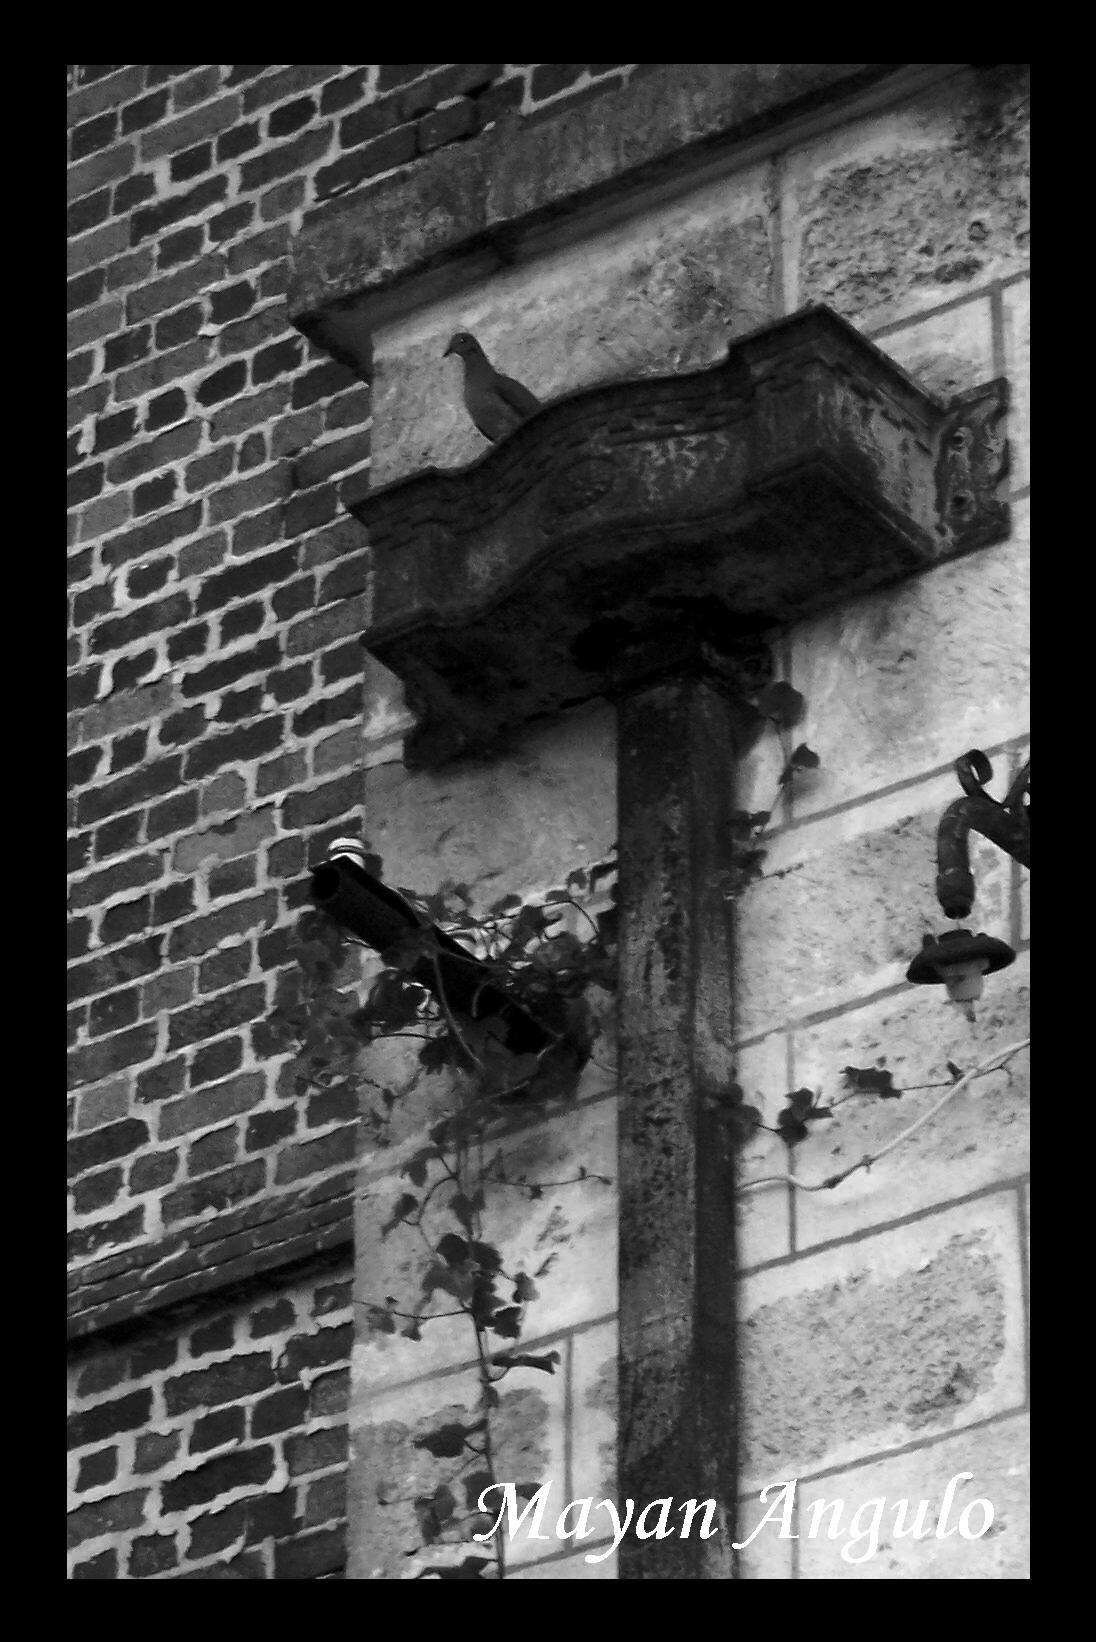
x=804, y=469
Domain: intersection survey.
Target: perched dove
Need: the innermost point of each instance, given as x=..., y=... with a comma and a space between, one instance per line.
x=496, y=404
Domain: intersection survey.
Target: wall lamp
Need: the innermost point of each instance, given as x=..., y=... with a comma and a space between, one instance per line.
x=378, y=915
x=960, y=959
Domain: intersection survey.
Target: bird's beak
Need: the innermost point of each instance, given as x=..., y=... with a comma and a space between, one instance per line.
x=448, y=351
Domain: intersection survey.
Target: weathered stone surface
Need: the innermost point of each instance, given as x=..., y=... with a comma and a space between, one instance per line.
x=947, y=352
x=998, y=1457
x=391, y=1468
x=844, y=903
x=469, y=206
x=979, y=1137
x=1017, y=315
x=913, y=1331
x=956, y=158
x=665, y=292
x=593, y=1371
x=552, y=809
x=900, y=682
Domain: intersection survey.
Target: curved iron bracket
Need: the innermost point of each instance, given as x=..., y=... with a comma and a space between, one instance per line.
x=1006, y=824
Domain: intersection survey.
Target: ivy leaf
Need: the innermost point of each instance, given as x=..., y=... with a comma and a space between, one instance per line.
x=411, y=1330
x=742, y=1121
x=406, y=1204
x=473, y=1487
x=521, y=1359
x=526, y=1490
x=782, y=704
x=803, y=758
x=444, y=1503
x=956, y=1072
x=380, y=1321
x=417, y=1167
x=466, y=1208
x=486, y=1256
x=508, y=903
x=507, y=1322
x=447, y=1442
x=453, y=1249
x=871, y=1080
x=577, y=879
x=524, y=1289
x=436, y=1052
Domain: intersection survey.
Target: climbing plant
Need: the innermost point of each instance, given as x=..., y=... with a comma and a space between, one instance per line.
x=550, y=958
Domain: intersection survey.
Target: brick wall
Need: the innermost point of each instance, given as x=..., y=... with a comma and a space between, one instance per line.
x=214, y=668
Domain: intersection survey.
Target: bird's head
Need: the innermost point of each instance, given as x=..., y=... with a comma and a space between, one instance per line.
x=464, y=345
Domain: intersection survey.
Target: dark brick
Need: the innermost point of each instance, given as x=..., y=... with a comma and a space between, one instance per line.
x=210, y=1105
x=84, y=483
x=385, y=153
x=222, y=1383
x=257, y=531
x=190, y=642
x=291, y=117
x=136, y=544
x=180, y=326
x=335, y=1105
x=214, y=1430
x=103, y=1566
x=131, y=670
x=277, y=360
x=155, y=1450
x=325, y=1501
x=153, y=1354
x=241, y=73
x=174, y=815
x=126, y=348
x=191, y=162
x=281, y=1411
x=83, y=687
x=215, y=1191
x=86, y=288
x=445, y=125
x=201, y=935
x=241, y=620
x=232, y=878
x=327, y=460
x=95, y=1191
x=184, y=726
x=320, y=383
x=231, y=222
x=242, y=745
x=218, y=1015
x=98, y=1060
x=216, y=1336
x=309, y=510
x=153, y=1170
x=125, y=751
x=144, y=579
x=329, y=710
x=154, y=218
x=330, y=1393
x=88, y=212
x=241, y=138
x=252, y=576
x=212, y=1151
x=309, y=809
x=271, y=1517
x=125, y=918
x=152, y=1554
x=105, y=1234
x=290, y=684
x=332, y=1297
x=231, y=302
x=81, y=766
x=97, y=1469
x=328, y=1346
x=309, y=1555
x=157, y=493
x=127, y=791
x=285, y=160
x=133, y=873
x=115, y=430
x=110, y=1014
x=294, y=599
x=133, y=191
x=157, y=296
x=166, y=407
x=295, y=1162
x=268, y=1128
x=252, y=453
x=107, y=1419
x=223, y=384
x=99, y=1146
x=146, y=111
x=172, y=903
x=217, y=1529
x=273, y=1319
x=127, y=963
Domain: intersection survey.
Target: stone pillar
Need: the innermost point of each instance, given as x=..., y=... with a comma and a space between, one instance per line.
x=679, y=740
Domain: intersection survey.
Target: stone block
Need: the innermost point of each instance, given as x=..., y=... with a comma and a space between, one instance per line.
x=913, y=1332
x=905, y=680
x=911, y=206
x=977, y=1138
x=997, y=1455
x=844, y=903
